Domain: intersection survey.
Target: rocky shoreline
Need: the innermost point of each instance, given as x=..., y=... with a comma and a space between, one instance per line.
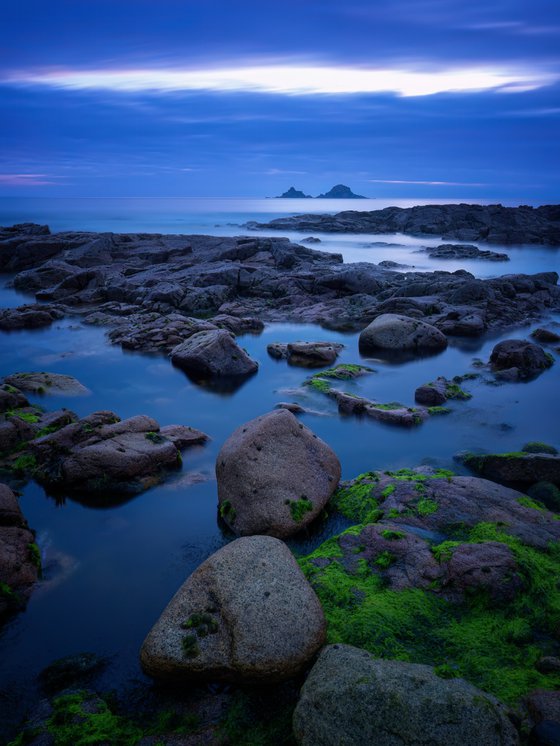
x=488, y=223
x=431, y=616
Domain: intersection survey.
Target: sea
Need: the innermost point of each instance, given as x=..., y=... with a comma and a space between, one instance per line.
x=112, y=564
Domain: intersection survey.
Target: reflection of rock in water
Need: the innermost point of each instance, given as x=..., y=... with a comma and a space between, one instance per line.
x=188, y=480
x=57, y=565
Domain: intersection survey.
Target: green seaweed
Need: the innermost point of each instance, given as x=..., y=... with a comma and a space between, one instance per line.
x=528, y=502
x=190, y=647
x=154, y=437
x=357, y=502
x=25, y=462
x=344, y=372
x=384, y=560
x=444, y=551
x=227, y=511
x=35, y=555
x=536, y=446
x=437, y=410
x=298, y=508
x=392, y=535
x=318, y=384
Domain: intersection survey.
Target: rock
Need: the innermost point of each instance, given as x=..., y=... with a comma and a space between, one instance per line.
x=390, y=264
x=539, y=447
x=482, y=223
x=430, y=394
x=393, y=332
x=292, y=407
x=458, y=251
x=20, y=561
x=306, y=354
x=47, y=383
x=294, y=193
x=11, y=398
x=213, y=353
x=515, y=468
x=71, y=671
x=100, y=454
x=237, y=325
x=247, y=614
x=182, y=436
x=351, y=698
x=520, y=359
x=274, y=476
x=546, y=336
x=154, y=331
x=340, y=191
x=438, y=502
x=546, y=493
x=548, y=664
x=311, y=240
x=543, y=705
x=28, y=317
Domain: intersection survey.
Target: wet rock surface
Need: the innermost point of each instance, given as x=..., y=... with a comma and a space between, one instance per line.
x=213, y=353
x=306, y=354
x=274, y=476
x=350, y=697
x=20, y=561
x=246, y=614
x=392, y=331
x=520, y=468
x=518, y=360
x=46, y=383
x=146, y=288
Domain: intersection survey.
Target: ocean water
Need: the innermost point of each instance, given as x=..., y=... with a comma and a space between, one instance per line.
x=112, y=565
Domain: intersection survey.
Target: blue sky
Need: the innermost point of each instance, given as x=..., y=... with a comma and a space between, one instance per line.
x=410, y=98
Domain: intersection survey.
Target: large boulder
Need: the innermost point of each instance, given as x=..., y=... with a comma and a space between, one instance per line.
x=20, y=561
x=390, y=331
x=517, y=359
x=274, y=476
x=351, y=699
x=213, y=353
x=306, y=354
x=247, y=614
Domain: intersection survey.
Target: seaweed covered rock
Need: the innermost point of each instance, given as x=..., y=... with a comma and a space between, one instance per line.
x=247, y=614
x=519, y=468
x=353, y=699
x=274, y=476
x=518, y=360
x=20, y=561
x=391, y=331
x=101, y=454
x=46, y=383
x=213, y=353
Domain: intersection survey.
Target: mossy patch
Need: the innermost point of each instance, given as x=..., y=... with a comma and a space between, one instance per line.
x=298, y=508
x=25, y=462
x=438, y=410
x=528, y=502
x=318, y=384
x=390, y=535
x=344, y=372
x=154, y=437
x=454, y=391
x=202, y=623
x=494, y=646
x=31, y=417
x=357, y=502
x=227, y=511
x=536, y=446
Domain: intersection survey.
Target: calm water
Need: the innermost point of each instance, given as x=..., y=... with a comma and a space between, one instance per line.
x=111, y=568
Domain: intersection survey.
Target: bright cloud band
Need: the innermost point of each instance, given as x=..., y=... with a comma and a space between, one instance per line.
x=290, y=80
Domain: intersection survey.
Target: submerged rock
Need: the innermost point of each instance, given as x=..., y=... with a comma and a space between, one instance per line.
x=28, y=317
x=462, y=251
x=353, y=699
x=247, y=614
x=306, y=354
x=213, y=353
x=274, y=476
x=391, y=331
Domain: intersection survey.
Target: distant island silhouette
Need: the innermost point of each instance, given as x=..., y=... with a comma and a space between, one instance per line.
x=339, y=191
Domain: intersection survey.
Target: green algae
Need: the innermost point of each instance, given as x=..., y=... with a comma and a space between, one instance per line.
x=495, y=646
x=357, y=501
x=227, y=511
x=437, y=410
x=298, y=508
x=318, y=384
x=537, y=446
x=343, y=372
x=528, y=502
x=390, y=535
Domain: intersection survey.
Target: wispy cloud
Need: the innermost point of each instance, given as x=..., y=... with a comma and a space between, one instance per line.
x=25, y=179
x=427, y=183
x=289, y=79
x=283, y=172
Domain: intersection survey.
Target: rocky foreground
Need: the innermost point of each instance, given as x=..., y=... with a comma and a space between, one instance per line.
x=152, y=289
x=489, y=223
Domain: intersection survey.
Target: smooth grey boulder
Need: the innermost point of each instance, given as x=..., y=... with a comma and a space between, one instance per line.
x=274, y=476
x=390, y=331
x=352, y=699
x=213, y=353
x=306, y=354
x=247, y=614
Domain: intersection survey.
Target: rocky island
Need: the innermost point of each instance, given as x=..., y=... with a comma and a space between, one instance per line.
x=429, y=590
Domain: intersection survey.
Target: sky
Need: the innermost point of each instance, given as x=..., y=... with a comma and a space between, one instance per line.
x=175, y=98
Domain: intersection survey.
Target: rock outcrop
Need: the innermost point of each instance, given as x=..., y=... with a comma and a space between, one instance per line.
x=247, y=614
x=391, y=331
x=353, y=699
x=306, y=354
x=518, y=360
x=213, y=354
x=46, y=383
x=274, y=476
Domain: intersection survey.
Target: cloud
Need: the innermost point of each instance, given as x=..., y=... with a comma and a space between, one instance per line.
x=428, y=183
x=25, y=179
x=289, y=79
